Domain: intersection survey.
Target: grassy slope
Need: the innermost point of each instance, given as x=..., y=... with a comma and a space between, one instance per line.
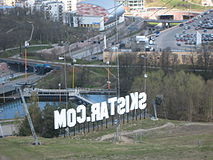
x=177, y=3
x=163, y=147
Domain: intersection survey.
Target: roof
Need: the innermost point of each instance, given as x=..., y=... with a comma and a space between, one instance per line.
x=109, y=5
x=92, y=10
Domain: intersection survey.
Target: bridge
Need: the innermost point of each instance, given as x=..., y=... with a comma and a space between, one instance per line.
x=32, y=66
x=61, y=94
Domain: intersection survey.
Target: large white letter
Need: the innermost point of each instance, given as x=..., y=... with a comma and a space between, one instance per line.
x=71, y=117
x=60, y=119
x=81, y=109
x=112, y=105
x=142, y=100
x=127, y=104
x=134, y=101
x=95, y=109
x=121, y=105
x=104, y=110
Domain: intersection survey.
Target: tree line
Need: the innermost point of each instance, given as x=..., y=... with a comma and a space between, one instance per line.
x=15, y=29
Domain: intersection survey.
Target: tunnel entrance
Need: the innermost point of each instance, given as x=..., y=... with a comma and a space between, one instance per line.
x=185, y=17
x=166, y=17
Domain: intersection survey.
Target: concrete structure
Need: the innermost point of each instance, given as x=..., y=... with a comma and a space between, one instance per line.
x=166, y=14
x=174, y=58
x=95, y=14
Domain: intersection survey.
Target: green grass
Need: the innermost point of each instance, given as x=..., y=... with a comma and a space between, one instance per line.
x=172, y=146
x=179, y=4
x=7, y=54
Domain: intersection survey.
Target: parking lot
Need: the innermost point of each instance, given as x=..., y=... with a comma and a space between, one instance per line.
x=184, y=36
x=203, y=24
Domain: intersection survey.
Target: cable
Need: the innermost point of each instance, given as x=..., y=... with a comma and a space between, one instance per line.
x=161, y=7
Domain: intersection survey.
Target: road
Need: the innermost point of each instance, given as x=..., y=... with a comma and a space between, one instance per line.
x=11, y=85
x=94, y=48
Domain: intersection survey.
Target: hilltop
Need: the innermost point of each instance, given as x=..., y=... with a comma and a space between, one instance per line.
x=16, y=27
x=144, y=140
x=176, y=4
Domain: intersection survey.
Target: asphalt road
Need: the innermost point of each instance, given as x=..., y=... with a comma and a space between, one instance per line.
x=11, y=85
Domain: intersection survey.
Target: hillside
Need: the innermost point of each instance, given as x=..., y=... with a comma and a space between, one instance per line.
x=176, y=4
x=15, y=29
x=144, y=140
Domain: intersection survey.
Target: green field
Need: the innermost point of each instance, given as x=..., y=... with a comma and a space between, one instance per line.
x=10, y=53
x=177, y=4
x=179, y=141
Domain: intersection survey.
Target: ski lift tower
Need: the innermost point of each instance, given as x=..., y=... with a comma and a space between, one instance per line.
x=20, y=88
x=158, y=100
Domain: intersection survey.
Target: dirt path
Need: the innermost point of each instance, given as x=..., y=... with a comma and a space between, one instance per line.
x=124, y=134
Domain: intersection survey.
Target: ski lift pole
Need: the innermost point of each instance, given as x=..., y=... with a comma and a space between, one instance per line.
x=36, y=142
x=2, y=133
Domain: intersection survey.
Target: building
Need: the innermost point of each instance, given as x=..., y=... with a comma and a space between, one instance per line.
x=8, y=2
x=70, y=5
x=133, y=5
x=52, y=10
x=95, y=14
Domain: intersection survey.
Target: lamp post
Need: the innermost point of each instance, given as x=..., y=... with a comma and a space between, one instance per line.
x=145, y=77
x=108, y=81
x=59, y=87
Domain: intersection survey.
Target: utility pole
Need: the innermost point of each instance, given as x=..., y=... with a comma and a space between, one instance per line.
x=26, y=45
x=1, y=127
x=65, y=81
x=36, y=142
x=117, y=134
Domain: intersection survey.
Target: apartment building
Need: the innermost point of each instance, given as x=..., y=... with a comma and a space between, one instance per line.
x=133, y=5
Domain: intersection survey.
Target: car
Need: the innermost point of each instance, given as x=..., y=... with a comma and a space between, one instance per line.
x=178, y=44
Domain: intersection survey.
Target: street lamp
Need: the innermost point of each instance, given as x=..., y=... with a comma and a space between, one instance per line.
x=108, y=81
x=145, y=77
x=59, y=87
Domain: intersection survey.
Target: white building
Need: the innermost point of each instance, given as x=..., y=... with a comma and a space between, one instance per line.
x=133, y=5
x=52, y=10
x=70, y=5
